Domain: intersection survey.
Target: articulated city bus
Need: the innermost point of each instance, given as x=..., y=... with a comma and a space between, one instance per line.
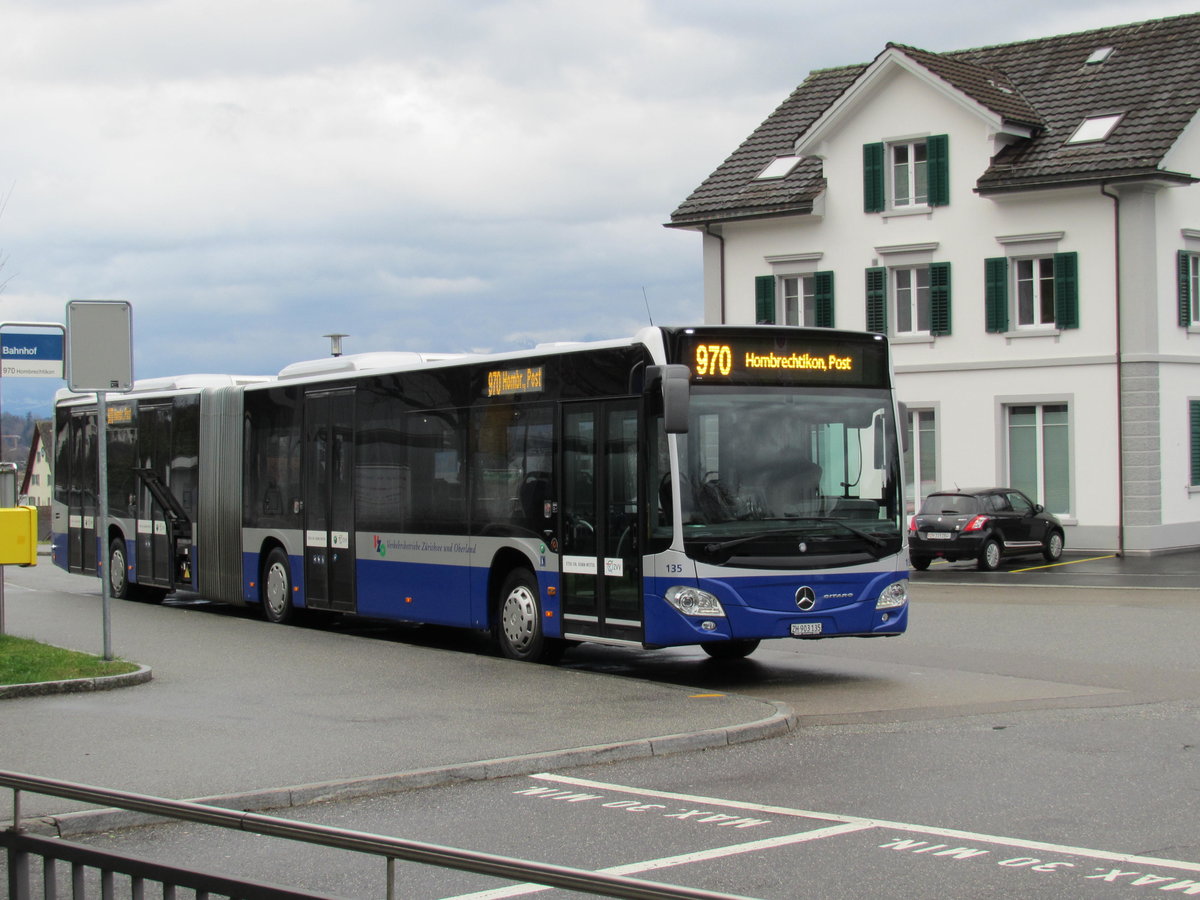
x=708, y=486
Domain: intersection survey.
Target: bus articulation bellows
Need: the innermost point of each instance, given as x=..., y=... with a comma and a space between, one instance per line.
x=710, y=486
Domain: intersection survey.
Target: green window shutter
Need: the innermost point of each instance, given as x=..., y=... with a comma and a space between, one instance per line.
x=877, y=300
x=1185, y=288
x=937, y=155
x=823, y=295
x=995, y=294
x=1195, y=423
x=764, y=300
x=873, y=200
x=939, y=298
x=1066, y=290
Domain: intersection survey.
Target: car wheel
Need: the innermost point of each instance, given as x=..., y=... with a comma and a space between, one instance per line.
x=118, y=574
x=276, y=588
x=920, y=563
x=989, y=555
x=1054, y=547
x=738, y=649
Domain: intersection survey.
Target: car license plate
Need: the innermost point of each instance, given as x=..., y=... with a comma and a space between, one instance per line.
x=799, y=628
x=939, y=536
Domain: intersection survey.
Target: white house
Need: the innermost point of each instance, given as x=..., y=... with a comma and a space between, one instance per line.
x=1023, y=221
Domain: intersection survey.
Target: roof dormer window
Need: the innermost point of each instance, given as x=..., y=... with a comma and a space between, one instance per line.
x=1094, y=128
x=780, y=167
x=1099, y=55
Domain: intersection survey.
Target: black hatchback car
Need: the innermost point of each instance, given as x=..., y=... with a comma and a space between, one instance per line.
x=984, y=524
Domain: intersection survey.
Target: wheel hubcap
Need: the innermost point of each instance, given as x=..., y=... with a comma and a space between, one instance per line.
x=993, y=555
x=276, y=589
x=116, y=571
x=519, y=618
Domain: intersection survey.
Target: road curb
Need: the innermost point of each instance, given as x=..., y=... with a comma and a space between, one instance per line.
x=76, y=685
x=783, y=721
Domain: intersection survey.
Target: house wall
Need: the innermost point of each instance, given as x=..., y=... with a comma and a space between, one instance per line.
x=970, y=376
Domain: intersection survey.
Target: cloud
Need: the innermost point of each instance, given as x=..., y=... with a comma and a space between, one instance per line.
x=459, y=175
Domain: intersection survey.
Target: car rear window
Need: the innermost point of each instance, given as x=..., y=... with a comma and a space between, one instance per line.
x=949, y=504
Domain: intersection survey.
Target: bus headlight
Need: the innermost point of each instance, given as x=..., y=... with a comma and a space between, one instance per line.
x=694, y=602
x=895, y=594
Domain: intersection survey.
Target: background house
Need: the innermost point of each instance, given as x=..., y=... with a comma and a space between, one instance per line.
x=37, y=482
x=1023, y=221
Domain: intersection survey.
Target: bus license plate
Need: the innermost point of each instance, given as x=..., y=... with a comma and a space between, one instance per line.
x=799, y=628
x=938, y=535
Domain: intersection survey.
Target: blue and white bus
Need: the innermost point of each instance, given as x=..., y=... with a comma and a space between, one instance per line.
x=707, y=486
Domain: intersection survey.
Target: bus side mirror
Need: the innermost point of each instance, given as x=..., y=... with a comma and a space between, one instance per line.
x=674, y=381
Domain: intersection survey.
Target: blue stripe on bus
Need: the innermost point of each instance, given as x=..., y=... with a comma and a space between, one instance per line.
x=417, y=592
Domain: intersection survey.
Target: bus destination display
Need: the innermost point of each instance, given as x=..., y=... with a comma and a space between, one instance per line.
x=772, y=360
x=501, y=382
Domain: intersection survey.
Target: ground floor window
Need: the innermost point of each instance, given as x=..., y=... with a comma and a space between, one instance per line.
x=920, y=456
x=1194, y=432
x=1039, y=461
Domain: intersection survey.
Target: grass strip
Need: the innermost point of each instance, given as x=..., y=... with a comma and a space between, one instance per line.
x=24, y=661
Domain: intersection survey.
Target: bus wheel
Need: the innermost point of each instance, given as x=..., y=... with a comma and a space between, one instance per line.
x=729, y=649
x=519, y=619
x=118, y=574
x=276, y=588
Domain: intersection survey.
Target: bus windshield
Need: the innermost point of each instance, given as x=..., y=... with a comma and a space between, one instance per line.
x=780, y=478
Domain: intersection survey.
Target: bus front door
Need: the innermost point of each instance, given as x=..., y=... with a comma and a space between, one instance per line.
x=329, y=500
x=601, y=565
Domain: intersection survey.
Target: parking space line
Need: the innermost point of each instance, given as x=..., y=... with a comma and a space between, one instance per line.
x=683, y=859
x=864, y=823
x=1068, y=562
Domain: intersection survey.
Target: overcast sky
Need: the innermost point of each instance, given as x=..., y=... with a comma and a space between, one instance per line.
x=419, y=174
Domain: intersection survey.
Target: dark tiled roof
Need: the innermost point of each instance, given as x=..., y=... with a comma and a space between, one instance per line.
x=1152, y=77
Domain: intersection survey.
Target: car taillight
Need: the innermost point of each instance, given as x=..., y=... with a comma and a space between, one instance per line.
x=976, y=524
x=912, y=524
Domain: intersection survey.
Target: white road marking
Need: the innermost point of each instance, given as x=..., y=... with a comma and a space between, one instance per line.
x=1086, y=852
x=666, y=862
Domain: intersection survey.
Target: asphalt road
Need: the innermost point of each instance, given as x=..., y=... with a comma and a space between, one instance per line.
x=1022, y=740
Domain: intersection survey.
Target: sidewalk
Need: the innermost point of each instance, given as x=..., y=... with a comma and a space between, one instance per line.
x=257, y=716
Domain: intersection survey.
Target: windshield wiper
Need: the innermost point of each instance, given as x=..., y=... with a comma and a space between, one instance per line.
x=718, y=546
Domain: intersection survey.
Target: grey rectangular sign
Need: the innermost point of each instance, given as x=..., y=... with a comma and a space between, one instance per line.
x=99, y=345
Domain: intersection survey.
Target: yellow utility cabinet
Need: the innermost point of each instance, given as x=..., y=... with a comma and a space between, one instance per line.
x=18, y=536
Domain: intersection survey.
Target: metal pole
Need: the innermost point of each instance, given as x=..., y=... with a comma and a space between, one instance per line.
x=102, y=524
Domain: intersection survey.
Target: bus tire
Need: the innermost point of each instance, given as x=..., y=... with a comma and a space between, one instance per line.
x=118, y=570
x=518, y=626
x=275, y=588
x=736, y=649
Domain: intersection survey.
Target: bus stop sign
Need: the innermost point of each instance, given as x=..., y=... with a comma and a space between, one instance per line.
x=99, y=346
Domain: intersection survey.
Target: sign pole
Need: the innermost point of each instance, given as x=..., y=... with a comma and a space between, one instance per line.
x=103, y=558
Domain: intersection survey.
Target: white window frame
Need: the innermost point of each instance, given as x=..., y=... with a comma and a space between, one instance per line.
x=1005, y=406
x=915, y=171
x=797, y=303
x=1193, y=259
x=1041, y=273
x=912, y=456
x=914, y=296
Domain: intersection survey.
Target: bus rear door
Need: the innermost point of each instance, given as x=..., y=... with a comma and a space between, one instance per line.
x=329, y=500
x=83, y=492
x=601, y=566
x=154, y=552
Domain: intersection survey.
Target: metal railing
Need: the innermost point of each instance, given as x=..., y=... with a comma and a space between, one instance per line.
x=21, y=846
